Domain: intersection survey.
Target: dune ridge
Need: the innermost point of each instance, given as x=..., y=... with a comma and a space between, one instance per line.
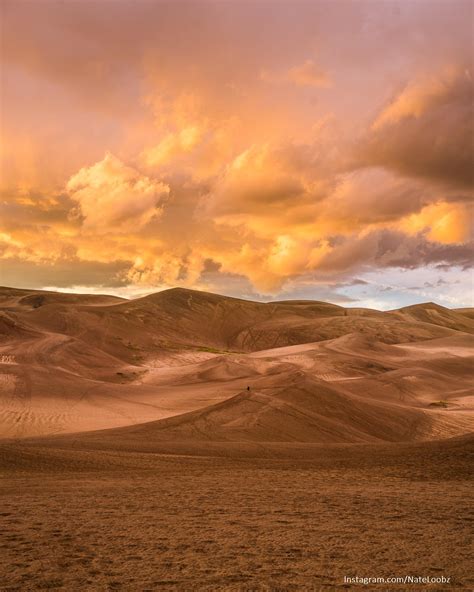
x=175, y=367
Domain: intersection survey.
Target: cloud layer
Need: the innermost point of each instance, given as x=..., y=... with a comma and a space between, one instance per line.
x=199, y=147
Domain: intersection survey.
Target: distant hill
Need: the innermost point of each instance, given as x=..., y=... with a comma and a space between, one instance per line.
x=434, y=314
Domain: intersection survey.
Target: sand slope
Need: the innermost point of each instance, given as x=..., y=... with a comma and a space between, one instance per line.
x=318, y=373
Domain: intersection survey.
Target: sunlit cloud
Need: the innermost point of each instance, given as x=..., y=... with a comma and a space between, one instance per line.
x=113, y=196
x=444, y=222
x=227, y=151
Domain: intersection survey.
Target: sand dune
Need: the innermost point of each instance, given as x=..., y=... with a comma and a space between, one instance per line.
x=13, y=297
x=468, y=312
x=288, y=407
x=437, y=315
x=191, y=441
x=318, y=373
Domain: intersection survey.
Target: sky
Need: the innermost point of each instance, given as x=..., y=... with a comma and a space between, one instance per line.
x=267, y=150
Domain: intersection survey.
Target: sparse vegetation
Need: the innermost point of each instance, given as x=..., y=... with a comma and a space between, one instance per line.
x=131, y=345
x=214, y=350
x=442, y=404
x=129, y=376
x=174, y=346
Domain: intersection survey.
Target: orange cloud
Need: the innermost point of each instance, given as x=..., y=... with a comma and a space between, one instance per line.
x=309, y=74
x=443, y=222
x=173, y=145
x=222, y=166
x=113, y=196
x=421, y=95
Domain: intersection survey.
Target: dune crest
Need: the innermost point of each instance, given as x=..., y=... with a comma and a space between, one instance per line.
x=189, y=366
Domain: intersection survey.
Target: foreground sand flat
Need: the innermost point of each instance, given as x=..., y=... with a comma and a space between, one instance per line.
x=129, y=521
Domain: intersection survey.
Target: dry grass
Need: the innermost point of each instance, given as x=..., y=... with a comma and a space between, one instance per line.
x=442, y=404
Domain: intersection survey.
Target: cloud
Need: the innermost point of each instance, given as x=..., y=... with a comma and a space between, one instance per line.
x=387, y=248
x=166, y=268
x=253, y=182
x=23, y=273
x=443, y=222
x=427, y=130
x=112, y=196
x=224, y=175
x=357, y=282
x=275, y=214
x=273, y=189
x=420, y=96
x=173, y=145
x=371, y=196
x=309, y=74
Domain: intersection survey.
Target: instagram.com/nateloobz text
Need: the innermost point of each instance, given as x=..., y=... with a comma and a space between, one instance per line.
x=408, y=579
